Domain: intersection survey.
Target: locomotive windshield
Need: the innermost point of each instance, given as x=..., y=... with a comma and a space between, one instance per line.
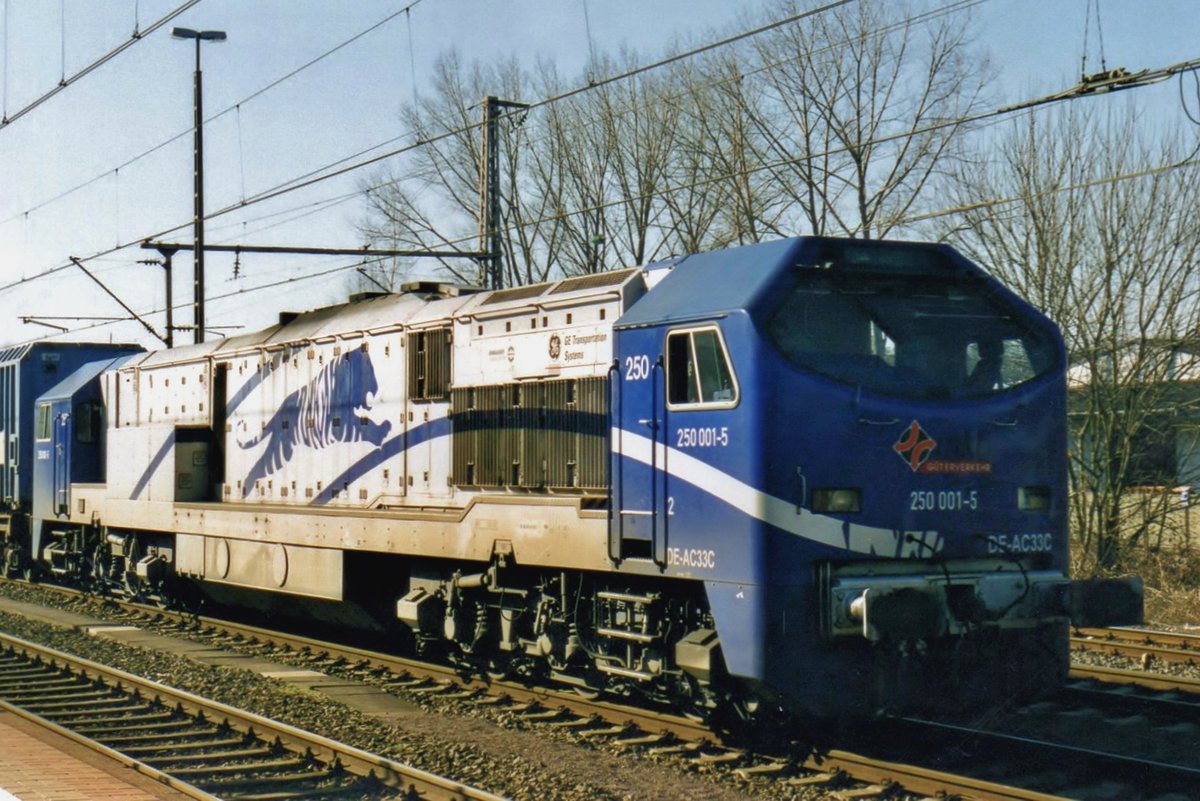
x=916, y=336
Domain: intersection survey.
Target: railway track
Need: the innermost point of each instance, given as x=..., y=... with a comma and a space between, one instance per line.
x=598, y=722
x=1077, y=752
x=200, y=747
x=1094, y=739
x=658, y=733
x=620, y=726
x=1143, y=645
x=1161, y=682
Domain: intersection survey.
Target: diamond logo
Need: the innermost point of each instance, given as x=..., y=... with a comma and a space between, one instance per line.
x=914, y=446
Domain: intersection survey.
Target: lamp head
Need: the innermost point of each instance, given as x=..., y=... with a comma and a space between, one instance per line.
x=188, y=33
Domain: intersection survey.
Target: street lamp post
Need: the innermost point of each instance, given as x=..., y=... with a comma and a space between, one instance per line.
x=198, y=177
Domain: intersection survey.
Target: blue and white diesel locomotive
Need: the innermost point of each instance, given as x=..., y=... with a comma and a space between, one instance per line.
x=824, y=475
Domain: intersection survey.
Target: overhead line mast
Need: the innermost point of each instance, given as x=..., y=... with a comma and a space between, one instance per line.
x=489, y=192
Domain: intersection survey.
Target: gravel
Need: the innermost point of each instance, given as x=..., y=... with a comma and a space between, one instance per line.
x=1108, y=660
x=497, y=751
x=474, y=745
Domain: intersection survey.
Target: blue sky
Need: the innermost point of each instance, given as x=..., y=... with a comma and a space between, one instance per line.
x=346, y=103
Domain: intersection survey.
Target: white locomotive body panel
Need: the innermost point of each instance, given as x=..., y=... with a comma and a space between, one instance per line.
x=347, y=411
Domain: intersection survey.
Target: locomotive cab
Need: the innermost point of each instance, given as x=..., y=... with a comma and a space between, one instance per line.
x=933, y=441
x=69, y=450
x=860, y=449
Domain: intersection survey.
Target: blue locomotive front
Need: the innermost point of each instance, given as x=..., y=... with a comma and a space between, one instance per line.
x=860, y=447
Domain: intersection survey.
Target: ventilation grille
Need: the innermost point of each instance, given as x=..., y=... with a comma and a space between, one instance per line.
x=428, y=364
x=547, y=435
x=516, y=293
x=592, y=281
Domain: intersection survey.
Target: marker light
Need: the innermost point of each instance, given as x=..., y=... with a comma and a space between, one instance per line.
x=837, y=501
x=1033, y=499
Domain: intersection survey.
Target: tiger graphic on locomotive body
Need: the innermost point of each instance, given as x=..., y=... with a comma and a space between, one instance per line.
x=335, y=407
x=705, y=482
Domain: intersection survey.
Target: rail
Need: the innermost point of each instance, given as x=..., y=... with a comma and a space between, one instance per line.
x=623, y=726
x=30, y=689
x=1142, y=644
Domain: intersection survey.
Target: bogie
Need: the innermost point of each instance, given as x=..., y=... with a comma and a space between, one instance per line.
x=572, y=628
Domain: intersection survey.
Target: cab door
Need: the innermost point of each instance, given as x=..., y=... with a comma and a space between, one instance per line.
x=638, y=527
x=60, y=453
x=674, y=405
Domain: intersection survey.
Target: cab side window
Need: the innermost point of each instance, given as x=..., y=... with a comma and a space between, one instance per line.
x=698, y=369
x=45, y=422
x=88, y=420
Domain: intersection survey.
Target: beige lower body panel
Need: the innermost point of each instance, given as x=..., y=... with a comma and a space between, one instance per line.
x=549, y=532
x=296, y=569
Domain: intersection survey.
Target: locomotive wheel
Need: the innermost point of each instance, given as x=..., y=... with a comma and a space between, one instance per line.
x=134, y=586
x=99, y=564
x=12, y=561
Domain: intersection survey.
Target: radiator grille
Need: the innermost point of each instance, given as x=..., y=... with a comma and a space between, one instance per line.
x=544, y=435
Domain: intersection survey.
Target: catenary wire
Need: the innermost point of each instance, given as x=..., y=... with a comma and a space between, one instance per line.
x=954, y=7
x=283, y=189
x=989, y=116
x=1162, y=169
x=625, y=107
x=296, y=184
x=1188, y=66
x=66, y=81
x=299, y=181
x=212, y=118
x=1165, y=72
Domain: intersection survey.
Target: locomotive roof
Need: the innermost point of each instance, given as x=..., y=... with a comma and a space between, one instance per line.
x=347, y=318
x=713, y=283
x=15, y=353
x=77, y=380
x=180, y=353
x=406, y=309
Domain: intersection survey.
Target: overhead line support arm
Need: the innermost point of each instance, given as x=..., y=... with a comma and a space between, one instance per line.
x=316, y=251
x=76, y=261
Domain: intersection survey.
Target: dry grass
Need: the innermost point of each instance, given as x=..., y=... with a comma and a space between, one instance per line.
x=1172, y=580
x=1162, y=546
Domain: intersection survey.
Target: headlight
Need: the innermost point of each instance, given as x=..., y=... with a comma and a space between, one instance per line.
x=837, y=501
x=1033, y=499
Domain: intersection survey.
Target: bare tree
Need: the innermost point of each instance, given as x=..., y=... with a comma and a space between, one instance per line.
x=1113, y=261
x=431, y=201
x=720, y=195
x=866, y=107
x=582, y=179
x=837, y=123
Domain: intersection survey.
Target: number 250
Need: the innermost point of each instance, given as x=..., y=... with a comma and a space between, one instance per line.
x=637, y=368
